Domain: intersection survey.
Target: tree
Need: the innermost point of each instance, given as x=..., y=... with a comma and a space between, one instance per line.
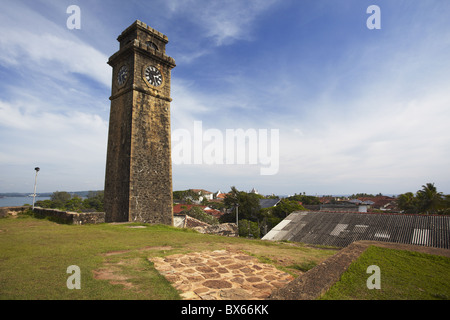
x=199, y=214
x=286, y=207
x=407, y=202
x=59, y=199
x=428, y=199
x=248, y=203
x=304, y=199
x=445, y=205
x=73, y=204
x=249, y=229
x=185, y=196
x=94, y=200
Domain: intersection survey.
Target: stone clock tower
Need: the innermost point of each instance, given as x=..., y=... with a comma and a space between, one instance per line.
x=138, y=181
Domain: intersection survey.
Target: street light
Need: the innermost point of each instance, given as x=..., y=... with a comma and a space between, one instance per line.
x=35, y=181
x=237, y=216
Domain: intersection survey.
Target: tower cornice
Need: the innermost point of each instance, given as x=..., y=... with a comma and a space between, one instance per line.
x=138, y=46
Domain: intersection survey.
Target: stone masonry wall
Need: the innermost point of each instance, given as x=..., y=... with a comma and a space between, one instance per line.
x=6, y=211
x=138, y=183
x=151, y=167
x=70, y=217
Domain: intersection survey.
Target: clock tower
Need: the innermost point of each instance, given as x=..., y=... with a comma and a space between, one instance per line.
x=138, y=180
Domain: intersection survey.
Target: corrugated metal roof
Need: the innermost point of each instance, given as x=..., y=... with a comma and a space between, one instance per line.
x=342, y=228
x=268, y=203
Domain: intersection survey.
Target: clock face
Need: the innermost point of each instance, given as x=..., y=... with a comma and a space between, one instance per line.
x=122, y=75
x=153, y=76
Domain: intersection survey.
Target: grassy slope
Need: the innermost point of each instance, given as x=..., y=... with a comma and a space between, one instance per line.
x=35, y=254
x=404, y=275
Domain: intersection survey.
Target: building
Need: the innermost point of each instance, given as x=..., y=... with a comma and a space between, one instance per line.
x=138, y=178
x=342, y=228
x=268, y=203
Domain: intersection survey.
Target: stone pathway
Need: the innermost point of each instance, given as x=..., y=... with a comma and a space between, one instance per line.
x=220, y=275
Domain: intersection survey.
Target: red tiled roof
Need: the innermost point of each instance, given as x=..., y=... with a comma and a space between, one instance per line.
x=221, y=195
x=184, y=207
x=215, y=213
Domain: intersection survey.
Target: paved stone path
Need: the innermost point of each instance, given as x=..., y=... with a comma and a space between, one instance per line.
x=220, y=275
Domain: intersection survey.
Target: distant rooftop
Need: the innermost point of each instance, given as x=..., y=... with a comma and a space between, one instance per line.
x=268, y=203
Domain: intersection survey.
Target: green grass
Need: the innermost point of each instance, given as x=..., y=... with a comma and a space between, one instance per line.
x=35, y=254
x=404, y=275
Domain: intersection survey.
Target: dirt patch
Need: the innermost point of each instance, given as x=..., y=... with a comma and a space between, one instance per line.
x=113, y=271
x=113, y=275
x=157, y=248
x=113, y=253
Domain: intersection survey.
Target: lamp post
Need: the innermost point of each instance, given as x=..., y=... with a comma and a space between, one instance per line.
x=35, y=181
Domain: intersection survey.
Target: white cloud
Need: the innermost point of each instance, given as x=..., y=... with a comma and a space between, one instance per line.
x=385, y=147
x=70, y=146
x=222, y=21
x=73, y=134
x=49, y=50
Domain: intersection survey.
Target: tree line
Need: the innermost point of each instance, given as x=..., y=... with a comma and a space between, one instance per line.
x=253, y=220
x=63, y=200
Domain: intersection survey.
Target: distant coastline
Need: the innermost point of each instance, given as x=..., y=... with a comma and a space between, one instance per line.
x=16, y=199
x=81, y=194
x=19, y=201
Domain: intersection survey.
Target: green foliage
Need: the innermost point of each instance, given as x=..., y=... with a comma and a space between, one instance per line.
x=305, y=266
x=404, y=275
x=361, y=195
x=185, y=196
x=426, y=201
x=35, y=254
x=248, y=203
x=304, y=199
x=63, y=200
x=407, y=202
x=286, y=207
x=249, y=229
x=94, y=201
x=199, y=214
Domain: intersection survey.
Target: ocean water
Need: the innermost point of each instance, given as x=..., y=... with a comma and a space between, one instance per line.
x=19, y=201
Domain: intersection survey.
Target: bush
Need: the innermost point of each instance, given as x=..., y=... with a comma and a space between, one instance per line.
x=199, y=214
x=64, y=201
x=249, y=229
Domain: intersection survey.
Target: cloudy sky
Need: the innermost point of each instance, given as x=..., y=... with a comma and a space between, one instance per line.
x=356, y=109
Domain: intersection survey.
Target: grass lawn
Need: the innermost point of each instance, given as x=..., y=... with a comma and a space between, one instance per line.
x=404, y=275
x=113, y=258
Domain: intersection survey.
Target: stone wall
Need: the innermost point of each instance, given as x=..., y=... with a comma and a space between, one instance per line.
x=70, y=217
x=6, y=211
x=224, y=229
x=185, y=221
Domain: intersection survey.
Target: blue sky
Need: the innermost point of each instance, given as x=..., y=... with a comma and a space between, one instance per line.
x=357, y=110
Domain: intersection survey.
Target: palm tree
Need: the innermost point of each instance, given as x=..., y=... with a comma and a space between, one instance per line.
x=429, y=199
x=407, y=202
